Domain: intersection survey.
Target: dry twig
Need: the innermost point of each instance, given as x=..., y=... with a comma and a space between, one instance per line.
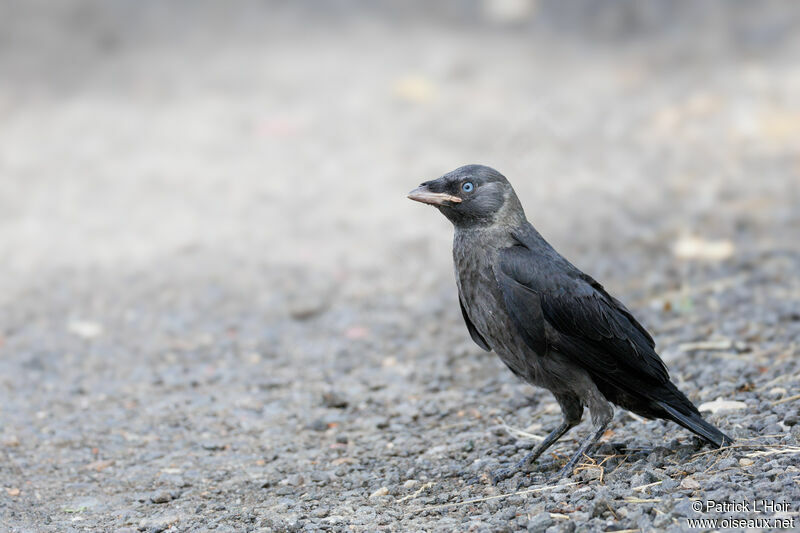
x=417, y=492
x=497, y=497
x=519, y=432
x=789, y=399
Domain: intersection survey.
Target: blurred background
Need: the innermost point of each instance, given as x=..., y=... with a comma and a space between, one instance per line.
x=205, y=238
x=137, y=131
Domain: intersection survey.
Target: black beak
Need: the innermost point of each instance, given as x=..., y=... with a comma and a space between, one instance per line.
x=422, y=194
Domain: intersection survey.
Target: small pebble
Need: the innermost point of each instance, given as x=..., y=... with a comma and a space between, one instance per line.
x=318, y=425
x=161, y=496
x=295, y=480
x=383, y=491
x=540, y=522
x=334, y=400
x=690, y=483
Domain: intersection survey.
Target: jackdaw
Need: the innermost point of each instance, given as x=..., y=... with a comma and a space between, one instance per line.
x=551, y=324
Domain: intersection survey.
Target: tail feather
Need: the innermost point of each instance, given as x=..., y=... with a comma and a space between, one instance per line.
x=696, y=424
x=659, y=400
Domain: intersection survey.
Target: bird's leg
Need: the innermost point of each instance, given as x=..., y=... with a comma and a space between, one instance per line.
x=602, y=413
x=572, y=409
x=584, y=447
x=522, y=466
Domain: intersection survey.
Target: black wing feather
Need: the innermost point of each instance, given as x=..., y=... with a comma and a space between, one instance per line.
x=524, y=308
x=591, y=325
x=556, y=306
x=473, y=332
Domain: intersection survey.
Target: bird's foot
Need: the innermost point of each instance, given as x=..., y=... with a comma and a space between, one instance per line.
x=502, y=474
x=471, y=478
x=528, y=480
x=523, y=467
x=568, y=469
x=565, y=472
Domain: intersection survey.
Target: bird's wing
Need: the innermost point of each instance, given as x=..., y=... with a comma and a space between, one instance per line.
x=473, y=332
x=584, y=320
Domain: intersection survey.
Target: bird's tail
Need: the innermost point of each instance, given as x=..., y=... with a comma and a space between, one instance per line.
x=694, y=422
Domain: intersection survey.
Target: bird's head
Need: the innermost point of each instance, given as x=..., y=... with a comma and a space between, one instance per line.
x=472, y=195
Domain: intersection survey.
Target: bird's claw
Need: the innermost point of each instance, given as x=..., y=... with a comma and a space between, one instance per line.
x=474, y=480
x=525, y=482
x=502, y=474
x=565, y=472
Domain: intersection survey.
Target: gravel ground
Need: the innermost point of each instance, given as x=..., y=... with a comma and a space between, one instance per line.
x=219, y=311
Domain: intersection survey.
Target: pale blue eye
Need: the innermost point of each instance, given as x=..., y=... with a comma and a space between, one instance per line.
x=467, y=187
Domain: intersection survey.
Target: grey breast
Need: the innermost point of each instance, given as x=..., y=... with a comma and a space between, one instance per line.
x=474, y=260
